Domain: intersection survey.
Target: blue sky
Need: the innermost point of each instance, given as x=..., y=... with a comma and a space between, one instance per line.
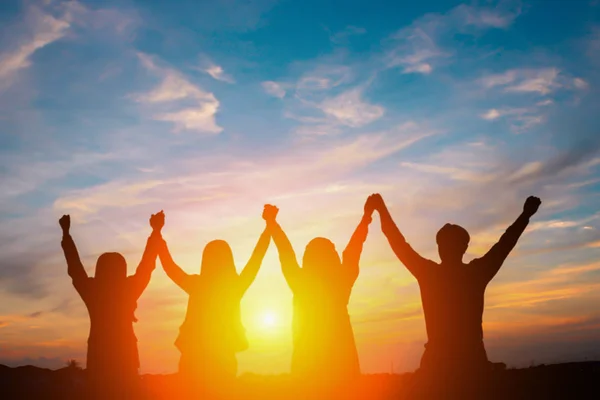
x=454, y=111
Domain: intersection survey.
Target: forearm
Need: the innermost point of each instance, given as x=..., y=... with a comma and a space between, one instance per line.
x=389, y=228
x=74, y=266
x=172, y=270
x=287, y=256
x=250, y=271
x=284, y=247
x=148, y=262
x=514, y=232
x=261, y=247
x=358, y=237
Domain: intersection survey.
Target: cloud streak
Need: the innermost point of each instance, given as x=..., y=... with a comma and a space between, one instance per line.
x=199, y=117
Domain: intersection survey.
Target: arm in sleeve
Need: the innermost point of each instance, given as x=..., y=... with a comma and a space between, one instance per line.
x=75, y=268
x=494, y=258
x=405, y=253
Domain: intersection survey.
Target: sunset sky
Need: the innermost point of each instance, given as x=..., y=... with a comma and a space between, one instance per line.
x=455, y=112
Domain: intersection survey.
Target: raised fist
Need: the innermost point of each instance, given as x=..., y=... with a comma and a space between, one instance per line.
x=65, y=223
x=531, y=205
x=377, y=200
x=270, y=213
x=370, y=204
x=157, y=221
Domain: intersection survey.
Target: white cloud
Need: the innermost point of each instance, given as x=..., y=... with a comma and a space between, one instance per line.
x=350, y=110
x=520, y=119
x=45, y=29
x=486, y=17
x=174, y=88
x=546, y=102
x=416, y=49
x=414, y=52
x=201, y=118
x=324, y=77
x=423, y=68
x=491, y=114
x=274, y=89
x=217, y=73
x=505, y=78
x=580, y=83
x=542, y=81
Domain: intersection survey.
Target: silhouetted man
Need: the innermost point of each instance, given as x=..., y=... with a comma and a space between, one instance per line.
x=452, y=292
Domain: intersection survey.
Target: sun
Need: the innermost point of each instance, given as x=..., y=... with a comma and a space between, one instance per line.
x=269, y=319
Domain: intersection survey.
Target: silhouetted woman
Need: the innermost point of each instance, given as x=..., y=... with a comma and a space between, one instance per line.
x=212, y=332
x=324, y=347
x=111, y=299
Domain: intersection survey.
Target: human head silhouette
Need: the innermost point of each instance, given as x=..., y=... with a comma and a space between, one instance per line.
x=320, y=257
x=452, y=241
x=217, y=260
x=111, y=268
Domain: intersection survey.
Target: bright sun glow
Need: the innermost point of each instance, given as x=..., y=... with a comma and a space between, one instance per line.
x=269, y=319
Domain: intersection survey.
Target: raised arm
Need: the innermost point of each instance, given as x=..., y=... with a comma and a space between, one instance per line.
x=353, y=250
x=494, y=258
x=173, y=270
x=250, y=271
x=405, y=253
x=287, y=256
x=142, y=275
x=74, y=266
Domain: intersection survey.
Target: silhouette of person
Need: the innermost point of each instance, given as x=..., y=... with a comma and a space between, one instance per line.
x=324, y=349
x=111, y=300
x=212, y=332
x=452, y=292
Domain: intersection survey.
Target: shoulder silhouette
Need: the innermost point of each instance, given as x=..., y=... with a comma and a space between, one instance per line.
x=111, y=299
x=212, y=332
x=324, y=347
x=452, y=292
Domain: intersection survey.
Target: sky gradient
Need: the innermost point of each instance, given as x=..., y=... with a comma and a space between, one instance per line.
x=455, y=112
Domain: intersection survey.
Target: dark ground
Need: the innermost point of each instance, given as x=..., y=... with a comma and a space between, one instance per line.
x=559, y=381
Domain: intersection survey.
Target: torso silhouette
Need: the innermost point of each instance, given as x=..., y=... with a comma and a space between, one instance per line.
x=111, y=302
x=111, y=309
x=453, y=294
x=213, y=319
x=323, y=336
x=324, y=346
x=453, y=302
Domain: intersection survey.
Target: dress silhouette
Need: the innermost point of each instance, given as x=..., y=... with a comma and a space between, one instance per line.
x=111, y=300
x=212, y=332
x=324, y=347
x=452, y=292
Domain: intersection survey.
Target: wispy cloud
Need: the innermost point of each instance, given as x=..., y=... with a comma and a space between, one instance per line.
x=44, y=29
x=342, y=36
x=350, y=109
x=218, y=73
x=274, y=89
x=521, y=119
x=542, y=80
x=417, y=48
x=174, y=89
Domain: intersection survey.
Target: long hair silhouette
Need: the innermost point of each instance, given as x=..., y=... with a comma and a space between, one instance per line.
x=212, y=332
x=111, y=299
x=324, y=347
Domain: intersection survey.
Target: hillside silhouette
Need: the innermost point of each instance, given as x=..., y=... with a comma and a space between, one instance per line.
x=557, y=381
